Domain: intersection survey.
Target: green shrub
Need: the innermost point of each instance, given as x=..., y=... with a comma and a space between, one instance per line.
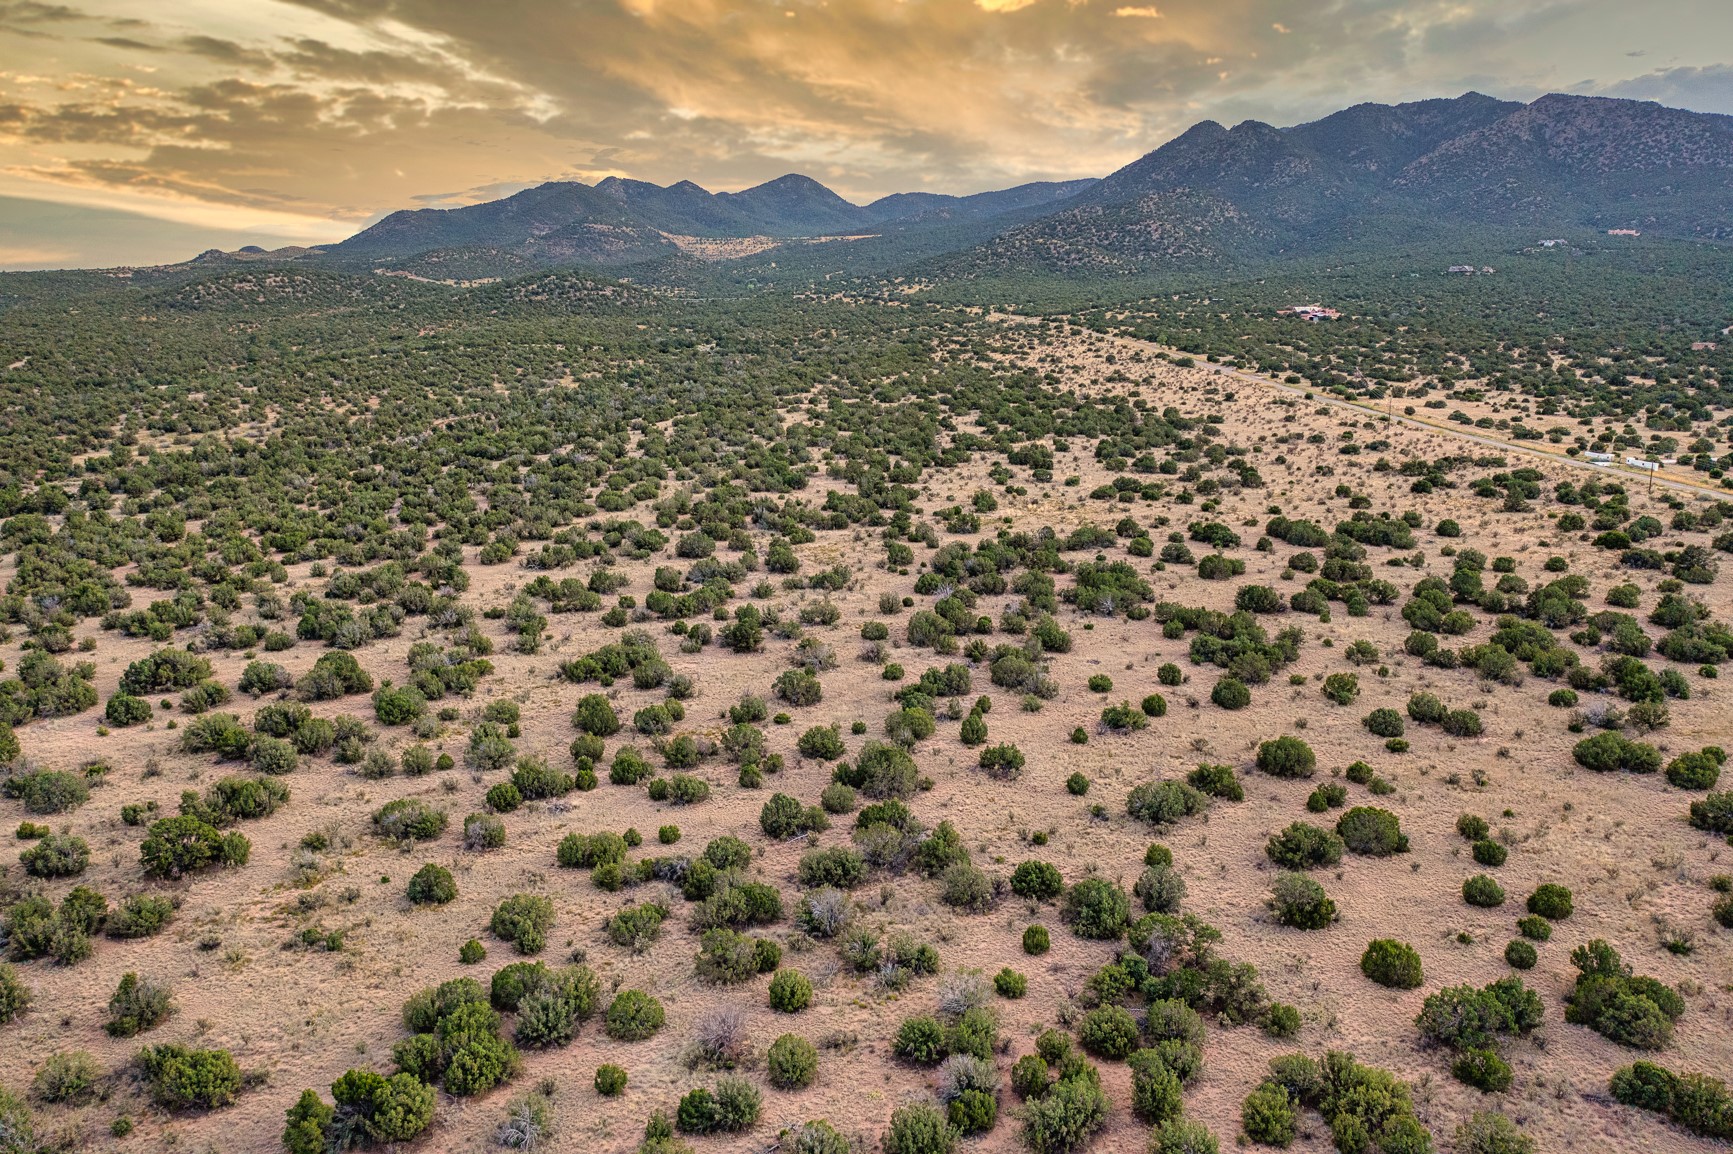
x=125, y=710
x=1385, y=723
x=1178, y=1136
x=1551, y=901
x=633, y=1016
x=918, y=1128
x=524, y=921
x=136, y=1006
x=1490, y=1133
x=47, y=791
x=1630, y=1010
x=432, y=885
x=483, y=831
x=15, y=996
x=1155, y=705
x=185, y=1079
x=784, y=817
x=1302, y=846
x=1097, y=909
x=1064, y=1118
x=1037, y=880
x=1482, y=891
x=56, y=856
x=1699, y=770
x=1286, y=757
x=1267, y=1116
x=610, y=1080
x=972, y=1112
x=1281, y=1020
x=1160, y=888
x=792, y=1063
x=920, y=1039
x=1230, y=693
x=1610, y=752
x=410, y=818
x=1489, y=853
x=1520, y=955
x=790, y=992
x=140, y=916
x=1010, y=984
x=1326, y=797
x=1300, y=902
x=1036, y=941
x=1467, y=1018
x=1372, y=831
x=1483, y=1069
x=1156, y=1093
x=1164, y=802
x=1392, y=963
x=1108, y=1032
x=66, y=1077
x=1029, y=1076
x=1217, y=781
x=1342, y=689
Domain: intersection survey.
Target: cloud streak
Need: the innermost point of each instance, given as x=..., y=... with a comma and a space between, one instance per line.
x=330, y=112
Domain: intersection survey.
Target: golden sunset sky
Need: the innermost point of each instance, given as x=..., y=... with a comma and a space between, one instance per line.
x=134, y=132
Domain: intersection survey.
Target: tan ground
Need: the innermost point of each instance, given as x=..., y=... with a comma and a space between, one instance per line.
x=302, y=1018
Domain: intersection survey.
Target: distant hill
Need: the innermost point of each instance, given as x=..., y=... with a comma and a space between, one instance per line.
x=625, y=221
x=1375, y=172
x=1214, y=195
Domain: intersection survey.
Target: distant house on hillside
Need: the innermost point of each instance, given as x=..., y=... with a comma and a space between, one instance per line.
x=1551, y=243
x=1704, y=346
x=1595, y=458
x=1309, y=312
x=1464, y=269
x=1623, y=232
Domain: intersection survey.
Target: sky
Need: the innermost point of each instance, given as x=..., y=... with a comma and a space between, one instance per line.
x=135, y=132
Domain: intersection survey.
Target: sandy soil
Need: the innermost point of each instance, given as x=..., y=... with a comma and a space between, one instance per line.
x=300, y=1019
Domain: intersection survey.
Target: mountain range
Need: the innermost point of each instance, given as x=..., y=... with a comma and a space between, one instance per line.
x=1212, y=194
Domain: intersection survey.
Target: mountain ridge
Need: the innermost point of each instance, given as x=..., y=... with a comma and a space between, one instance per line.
x=1211, y=194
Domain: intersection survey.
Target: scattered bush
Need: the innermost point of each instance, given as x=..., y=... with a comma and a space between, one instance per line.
x=1392, y=963
x=1372, y=831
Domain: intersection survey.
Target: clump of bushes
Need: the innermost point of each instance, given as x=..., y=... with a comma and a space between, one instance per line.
x=1097, y=909
x=181, y=1078
x=1473, y=1023
x=524, y=921
x=1164, y=802
x=733, y=1106
x=1303, y=846
x=1631, y=1010
x=1610, y=752
x=1365, y=1107
x=1697, y=1102
x=1699, y=770
x=137, y=1005
x=455, y=1040
x=384, y=1110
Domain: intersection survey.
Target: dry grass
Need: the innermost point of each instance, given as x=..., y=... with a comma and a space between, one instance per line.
x=301, y=1018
